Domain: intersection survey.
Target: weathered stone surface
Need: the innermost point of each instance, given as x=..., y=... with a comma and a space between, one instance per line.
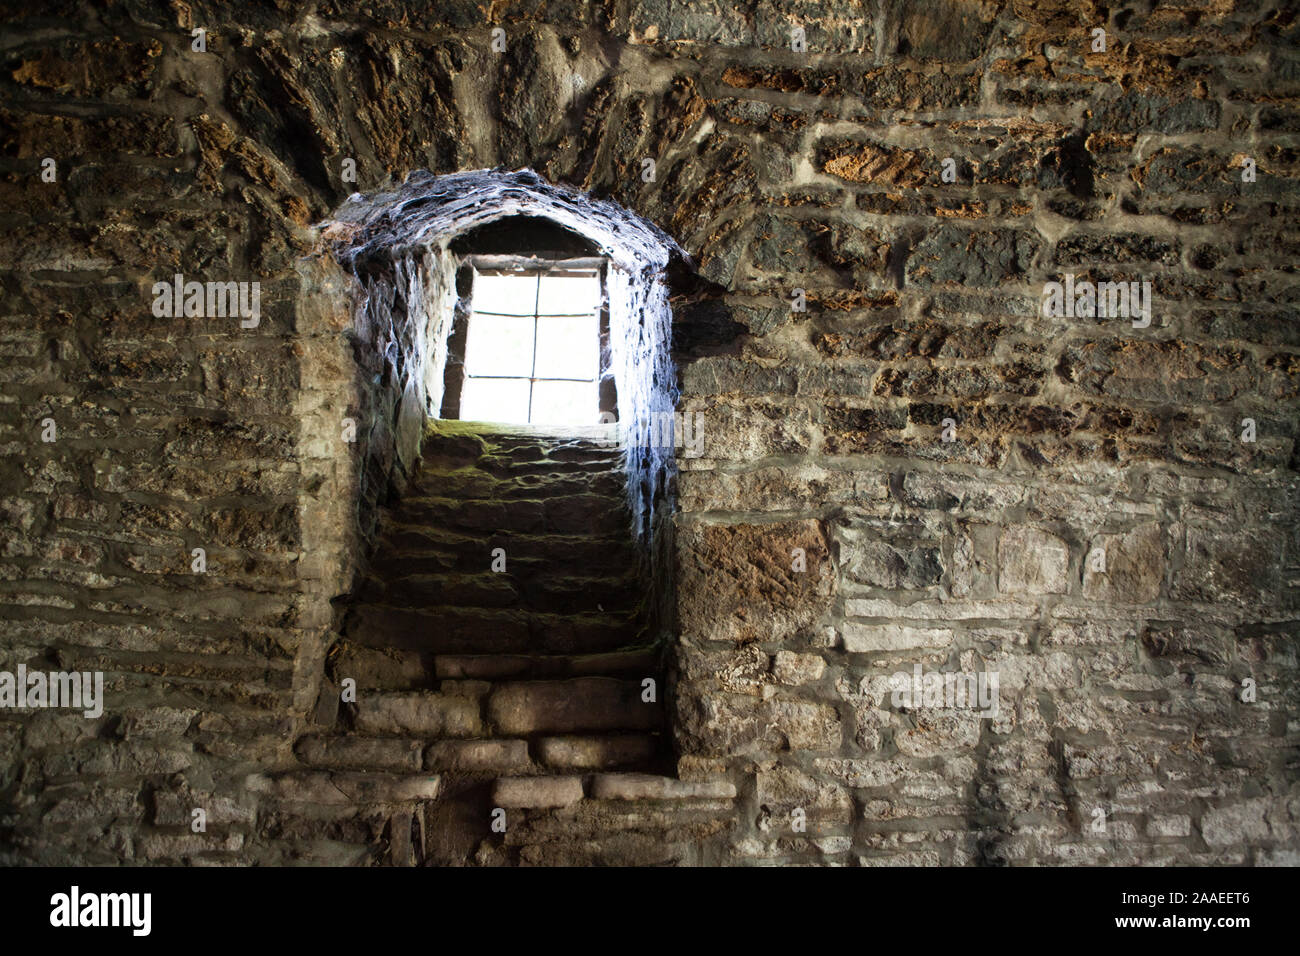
x=879, y=555
x=470, y=756
x=1169, y=825
x=791, y=668
x=375, y=669
x=847, y=297
x=1228, y=565
x=785, y=789
x=940, y=732
x=418, y=715
x=594, y=753
x=1031, y=561
x=1157, y=371
x=806, y=725
x=561, y=707
x=346, y=789
x=873, y=163
x=641, y=786
x=1240, y=823
x=972, y=257
x=537, y=792
x=360, y=753
x=1127, y=568
x=865, y=638
x=737, y=582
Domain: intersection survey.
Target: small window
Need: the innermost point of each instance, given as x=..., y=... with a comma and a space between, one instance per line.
x=532, y=352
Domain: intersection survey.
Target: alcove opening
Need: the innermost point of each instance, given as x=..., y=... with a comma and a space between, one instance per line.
x=530, y=338
x=513, y=481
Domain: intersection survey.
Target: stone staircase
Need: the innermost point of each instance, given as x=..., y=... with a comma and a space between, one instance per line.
x=491, y=696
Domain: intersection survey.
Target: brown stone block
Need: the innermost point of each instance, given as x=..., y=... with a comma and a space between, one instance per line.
x=595, y=753
x=1128, y=568
x=581, y=704
x=739, y=582
x=537, y=792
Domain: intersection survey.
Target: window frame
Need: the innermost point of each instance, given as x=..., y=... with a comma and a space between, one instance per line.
x=481, y=265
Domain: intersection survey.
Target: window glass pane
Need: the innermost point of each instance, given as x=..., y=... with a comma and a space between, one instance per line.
x=499, y=345
x=494, y=400
x=568, y=347
x=508, y=294
x=565, y=403
x=565, y=294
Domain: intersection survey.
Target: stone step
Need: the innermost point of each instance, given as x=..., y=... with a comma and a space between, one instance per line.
x=395, y=668
x=571, y=451
x=424, y=558
x=473, y=483
x=583, y=593
x=490, y=517
x=565, y=514
x=517, y=588
x=564, y=482
x=576, y=705
x=489, y=630
x=475, y=439
x=507, y=468
x=400, y=545
x=444, y=630
x=530, y=677
x=587, y=514
x=407, y=756
x=531, y=447
x=462, y=445
x=635, y=662
x=483, y=589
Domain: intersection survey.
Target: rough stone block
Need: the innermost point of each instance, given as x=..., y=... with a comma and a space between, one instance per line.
x=784, y=789
x=537, y=792
x=868, y=638
x=560, y=707
x=881, y=556
x=1031, y=561
x=1229, y=565
x=360, y=753
x=1238, y=823
x=594, y=753
x=418, y=714
x=346, y=789
x=791, y=668
x=937, y=732
x=806, y=725
x=1169, y=825
x=476, y=756
x=644, y=786
x=1134, y=566
x=740, y=581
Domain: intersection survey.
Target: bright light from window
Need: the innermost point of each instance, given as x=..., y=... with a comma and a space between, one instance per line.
x=533, y=350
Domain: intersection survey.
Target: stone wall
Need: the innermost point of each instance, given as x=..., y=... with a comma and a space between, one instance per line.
x=777, y=169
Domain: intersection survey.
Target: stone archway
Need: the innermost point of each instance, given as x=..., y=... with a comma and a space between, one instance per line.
x=395, y=250
x=396, y=247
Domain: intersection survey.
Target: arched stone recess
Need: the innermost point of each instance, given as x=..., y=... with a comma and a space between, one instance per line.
x=383, y=288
